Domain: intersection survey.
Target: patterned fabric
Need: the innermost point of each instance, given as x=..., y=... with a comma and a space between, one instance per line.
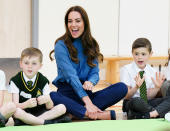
x=29, y=84
x=26, y=92
x=143, y=91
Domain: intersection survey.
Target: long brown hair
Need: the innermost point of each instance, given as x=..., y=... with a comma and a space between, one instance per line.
x=90, y=45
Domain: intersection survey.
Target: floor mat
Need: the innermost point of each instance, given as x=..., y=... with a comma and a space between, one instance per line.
x=107, y=125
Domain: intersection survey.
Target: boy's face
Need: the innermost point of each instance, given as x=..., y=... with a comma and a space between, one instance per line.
x=30, y=66
x=141, y=56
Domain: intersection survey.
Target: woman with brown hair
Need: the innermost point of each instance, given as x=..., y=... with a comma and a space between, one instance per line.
x=77, y=55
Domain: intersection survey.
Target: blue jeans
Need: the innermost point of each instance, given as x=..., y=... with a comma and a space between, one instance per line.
x=102, y=99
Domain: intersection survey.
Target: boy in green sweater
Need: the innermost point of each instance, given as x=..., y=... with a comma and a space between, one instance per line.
x=30, y=92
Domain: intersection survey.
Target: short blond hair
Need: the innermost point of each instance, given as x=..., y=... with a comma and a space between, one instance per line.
x=31, y=51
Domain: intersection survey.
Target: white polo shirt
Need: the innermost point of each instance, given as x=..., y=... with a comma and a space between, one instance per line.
x=14, y=89
x=130, y=71
x=167, y=72
x=2, y=80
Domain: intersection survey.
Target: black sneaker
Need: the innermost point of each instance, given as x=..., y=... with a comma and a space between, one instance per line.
x=139, y=105
x=62, y=119
x=18, y=122
x=48, y=122
x=137, y=115
x=2, y=123
x=3, y=120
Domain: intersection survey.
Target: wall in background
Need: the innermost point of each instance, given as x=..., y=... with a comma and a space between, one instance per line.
x=15, y=27
x=103, y=18
x=144, y=18
x=113, y=23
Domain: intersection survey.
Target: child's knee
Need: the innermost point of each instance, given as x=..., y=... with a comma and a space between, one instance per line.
x=19, y=113
x=61, y=107
x=7, y=109
x=11, y=107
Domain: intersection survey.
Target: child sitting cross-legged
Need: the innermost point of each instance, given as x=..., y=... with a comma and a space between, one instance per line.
x=30, y=92
x=143, y=85
x=8, y=109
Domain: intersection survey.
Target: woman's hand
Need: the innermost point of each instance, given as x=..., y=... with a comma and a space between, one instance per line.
x=92, y=111
x=88, y=85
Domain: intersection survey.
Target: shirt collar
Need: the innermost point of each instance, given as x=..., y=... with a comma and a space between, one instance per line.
x=138, y=69
x=27, y=79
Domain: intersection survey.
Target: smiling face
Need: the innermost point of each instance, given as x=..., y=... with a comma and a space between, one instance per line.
x=30, y=65
x=75, y=24
x=141, y=56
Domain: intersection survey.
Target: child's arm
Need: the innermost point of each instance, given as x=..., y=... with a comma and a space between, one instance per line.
x=2, y=87
x=1, y=98
x=132, y=91
x=32, y=102
x=152, y=92
x=45, y=99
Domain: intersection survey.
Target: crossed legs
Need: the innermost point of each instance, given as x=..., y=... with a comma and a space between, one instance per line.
x=30, y=119
x=7, y=111
x=102, y=99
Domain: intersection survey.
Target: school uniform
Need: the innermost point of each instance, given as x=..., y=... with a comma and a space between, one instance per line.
x=3, y=120
x=2, y=81
x=128, y=74
x=165, y=88
x=167, y=73
x=40, y=86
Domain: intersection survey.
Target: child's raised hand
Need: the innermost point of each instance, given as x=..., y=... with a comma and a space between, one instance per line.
x=139, y=80
x=43, y=99
x=159, y=79
x=32, y=102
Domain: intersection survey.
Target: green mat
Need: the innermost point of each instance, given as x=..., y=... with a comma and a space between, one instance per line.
x=107, y=125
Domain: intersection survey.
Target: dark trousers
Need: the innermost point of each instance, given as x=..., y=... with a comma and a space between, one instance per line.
x=102, y=99
x=161, y=105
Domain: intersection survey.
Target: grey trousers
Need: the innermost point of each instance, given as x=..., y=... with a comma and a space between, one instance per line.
x=165, y=89
x=161, y=105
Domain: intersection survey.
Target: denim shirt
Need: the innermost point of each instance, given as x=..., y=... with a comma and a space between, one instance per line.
x=72, y=73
